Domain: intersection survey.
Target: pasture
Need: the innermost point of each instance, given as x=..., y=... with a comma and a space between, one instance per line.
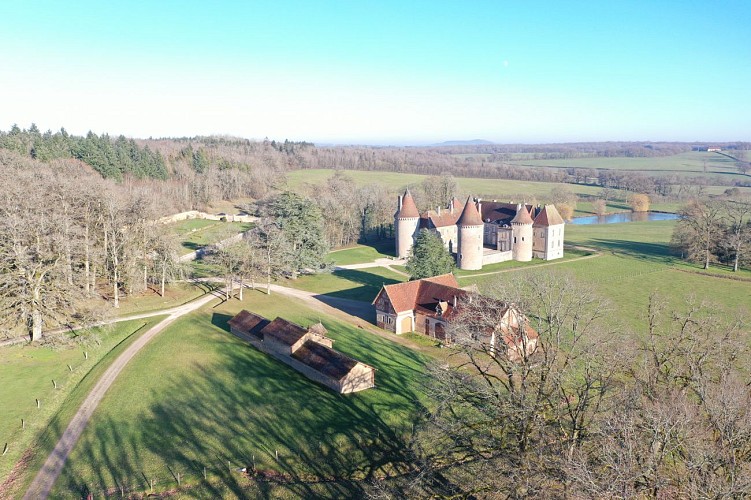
x=198, y=233
x=27, y=373
x=635, y=262
x=500, y=189
x=198, y=398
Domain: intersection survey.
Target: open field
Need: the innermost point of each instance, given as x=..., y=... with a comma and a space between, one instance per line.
x=198, y=397
x=355, y=284
x=27, y=373
x=175, y=294
x=689, y=163
x=500, y=189
x=637, y=262
x=359, y=254
x=197, y=233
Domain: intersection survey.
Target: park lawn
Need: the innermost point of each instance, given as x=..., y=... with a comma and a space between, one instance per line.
x=636, y=262
x=175, y=294
x=363, y=253
x=355, y=284
x=198, y=397
x=191, y=225
x=27, y=371
x=513, y=264
x=210, y=234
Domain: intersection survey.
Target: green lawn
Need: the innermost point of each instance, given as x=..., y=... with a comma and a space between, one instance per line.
x=27, y=372
x=692, y=162
x=636, y=262
x=359, y=254
x=175, y=294
x=355, y=284
x=198, y=233
x=198, y=397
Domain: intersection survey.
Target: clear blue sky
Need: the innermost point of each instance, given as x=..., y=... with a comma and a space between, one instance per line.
x=390, y=72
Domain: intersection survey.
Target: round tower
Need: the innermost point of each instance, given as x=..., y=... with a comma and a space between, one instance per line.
x=406, y=225
x=469, y=247
x=522, y=234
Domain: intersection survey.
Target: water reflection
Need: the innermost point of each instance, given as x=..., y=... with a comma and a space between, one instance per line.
x=624, y=217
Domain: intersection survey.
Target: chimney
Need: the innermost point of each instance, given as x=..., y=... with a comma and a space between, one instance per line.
x=454, y=300
x=439, y=210
x=400, y=203
x=479, y=206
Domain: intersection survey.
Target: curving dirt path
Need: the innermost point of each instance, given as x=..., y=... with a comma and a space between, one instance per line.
x=45, y=479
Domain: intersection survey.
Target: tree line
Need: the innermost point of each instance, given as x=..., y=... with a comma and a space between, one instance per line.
x=716, y=230
x=71, y=243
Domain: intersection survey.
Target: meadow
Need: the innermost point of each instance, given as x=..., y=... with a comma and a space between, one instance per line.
x=27, y=373
x=635, y=261
x=197, y=233
x=491, y=189
x=198, y=398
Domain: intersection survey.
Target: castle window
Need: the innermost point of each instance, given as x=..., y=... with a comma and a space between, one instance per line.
x=514, y=239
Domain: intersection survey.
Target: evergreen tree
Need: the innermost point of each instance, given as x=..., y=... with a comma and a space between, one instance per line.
x=428, y=257
x=302, y=225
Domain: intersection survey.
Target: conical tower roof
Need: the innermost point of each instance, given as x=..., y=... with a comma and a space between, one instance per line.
x=548, y=216
x=409, y=209
x=522, y=215
x=470, y=216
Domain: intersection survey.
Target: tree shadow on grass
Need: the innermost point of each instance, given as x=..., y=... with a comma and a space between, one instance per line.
x=243, y=408
x=365, y=285
x=658, y=252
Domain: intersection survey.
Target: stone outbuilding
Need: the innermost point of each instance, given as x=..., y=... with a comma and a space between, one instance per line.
x=307, y=350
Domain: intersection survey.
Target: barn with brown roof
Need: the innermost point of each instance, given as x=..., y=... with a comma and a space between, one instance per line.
x=307, y=350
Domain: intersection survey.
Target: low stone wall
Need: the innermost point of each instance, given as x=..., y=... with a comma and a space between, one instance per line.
x=496, y=257
x=195, y=214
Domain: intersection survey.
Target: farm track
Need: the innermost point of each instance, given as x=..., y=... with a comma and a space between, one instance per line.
x=45, y=479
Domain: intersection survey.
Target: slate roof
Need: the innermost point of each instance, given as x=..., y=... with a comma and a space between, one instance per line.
x=409, y=209
x=324, y=360
x=248, y=322
x=470, y=216
x=284, y=331
x=548, y=216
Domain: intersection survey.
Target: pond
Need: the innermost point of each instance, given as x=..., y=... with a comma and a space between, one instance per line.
x=624, y=217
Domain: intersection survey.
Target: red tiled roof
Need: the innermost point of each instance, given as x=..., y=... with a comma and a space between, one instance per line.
x=284, y=331
x=409, y=209
x=446, y=218
x=548, y=216
x=407, y=296
x=522, y=216
x=324, y=360
x=470, y=216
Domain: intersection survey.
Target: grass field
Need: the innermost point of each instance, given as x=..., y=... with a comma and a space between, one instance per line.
x=500, y=189
x=359, y=254
x=197, y=233
x=355, y=284
x=27, y=373
x=175, y=294
x=690, y=163
x=636, y=262
x=198, y=397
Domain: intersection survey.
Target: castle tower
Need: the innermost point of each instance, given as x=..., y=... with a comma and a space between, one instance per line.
x=521, y=234
x=469, y=248
x=548, y=228
x=406, y=224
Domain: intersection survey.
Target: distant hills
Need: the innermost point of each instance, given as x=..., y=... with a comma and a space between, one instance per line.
x=473, y=142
